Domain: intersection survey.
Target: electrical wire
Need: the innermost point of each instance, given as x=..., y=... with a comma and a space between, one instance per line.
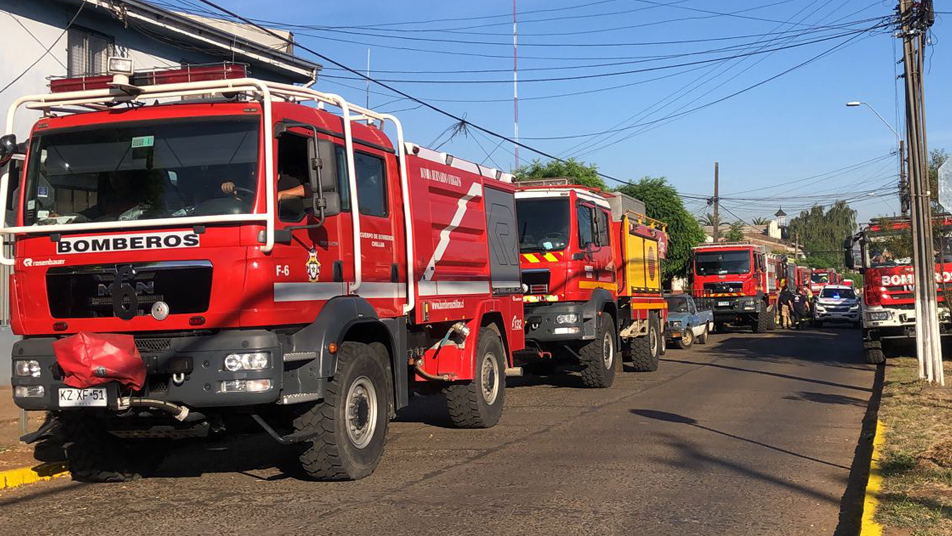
x=47, y=51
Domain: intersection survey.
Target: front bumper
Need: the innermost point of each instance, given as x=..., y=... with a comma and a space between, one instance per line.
x=200, y=386
x=542, y=323
x=728, y=309
x=838, y=316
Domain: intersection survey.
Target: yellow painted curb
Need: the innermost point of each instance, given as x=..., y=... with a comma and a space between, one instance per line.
x=27, y=475
x=869, y=525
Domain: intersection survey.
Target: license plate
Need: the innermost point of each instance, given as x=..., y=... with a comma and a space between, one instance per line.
x=82, y=398
x=723, y=304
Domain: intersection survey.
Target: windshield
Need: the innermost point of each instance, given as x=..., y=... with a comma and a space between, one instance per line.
x=677, y=305
x=838, y=294
x=543, y=224
x=820, y=278
x=721, y=262
x=142, y=170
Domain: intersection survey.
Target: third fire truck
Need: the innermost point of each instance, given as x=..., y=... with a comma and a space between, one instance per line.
x=591, y=270
x=739, y=281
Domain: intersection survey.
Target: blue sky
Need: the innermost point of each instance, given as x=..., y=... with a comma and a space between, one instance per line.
x=788, y=129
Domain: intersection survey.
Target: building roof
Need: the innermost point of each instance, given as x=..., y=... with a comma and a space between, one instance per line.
x=231, y=40
x=780, y=213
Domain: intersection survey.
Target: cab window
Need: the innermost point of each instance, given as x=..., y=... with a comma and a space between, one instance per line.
x=371, y=184
x=602, y=228
x=586, y=229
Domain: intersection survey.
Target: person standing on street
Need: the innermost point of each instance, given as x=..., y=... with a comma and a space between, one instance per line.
x=786, y=303
x=801, y=309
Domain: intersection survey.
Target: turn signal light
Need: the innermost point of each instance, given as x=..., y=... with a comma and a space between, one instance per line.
x=60, y=326
x=196, y=321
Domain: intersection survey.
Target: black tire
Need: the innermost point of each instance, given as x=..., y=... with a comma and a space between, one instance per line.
x=702, y=339
x=599, y=358
x=687, y=338
x=95, y=455
x=646, y=351
x=357, y=397
x=874, y=352
x=479, y=403
x=762, y=322
x=772, y=321
x=857, y=325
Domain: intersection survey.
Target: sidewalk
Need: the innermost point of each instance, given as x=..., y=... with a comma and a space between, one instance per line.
x=13, y=453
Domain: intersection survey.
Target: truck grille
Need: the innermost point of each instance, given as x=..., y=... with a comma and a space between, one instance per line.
x=152, y=346
x=723, y=287
x=537, y=281
x=87, y=291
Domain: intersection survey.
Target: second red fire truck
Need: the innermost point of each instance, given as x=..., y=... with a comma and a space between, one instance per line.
x=591, y=269
x=196, y=247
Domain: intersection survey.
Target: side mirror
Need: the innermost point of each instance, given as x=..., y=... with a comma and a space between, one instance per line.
x=848, y=253
x=331, y=204
x=328, y=155
x=8, y=147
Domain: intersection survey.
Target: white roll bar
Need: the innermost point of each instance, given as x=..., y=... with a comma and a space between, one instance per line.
x=266, y=92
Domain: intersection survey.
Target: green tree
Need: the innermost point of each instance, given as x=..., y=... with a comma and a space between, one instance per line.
x=937, y=157
x=582, y=173
x=663, y=203
x=736, y=232
x=821, y=232
x=760, y=220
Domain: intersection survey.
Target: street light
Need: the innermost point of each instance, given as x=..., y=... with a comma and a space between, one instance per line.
x=854, y=104
x=902, y=158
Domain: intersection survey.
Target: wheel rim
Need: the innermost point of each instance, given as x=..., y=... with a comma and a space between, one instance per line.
x=489, y=379
x=688, y=336
x=361, y=412
x=608, y=350
x=653, y=340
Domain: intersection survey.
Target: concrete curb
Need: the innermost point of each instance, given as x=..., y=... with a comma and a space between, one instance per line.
x=14, y=478
x=869, y=525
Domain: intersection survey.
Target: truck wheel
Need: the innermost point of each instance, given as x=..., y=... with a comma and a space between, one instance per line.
x=646, y=351
x=702, y=339
x=874, y=352
x=479, y=403
x=95, y=455
x=600, y=356
x=350, y=424
x=761, y=322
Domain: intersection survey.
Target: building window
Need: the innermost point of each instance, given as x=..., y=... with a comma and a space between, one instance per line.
x=88, y=52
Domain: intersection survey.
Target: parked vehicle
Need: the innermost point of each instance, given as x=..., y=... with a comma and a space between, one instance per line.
x=836, y=303
x=821, y=277
x=173, y=227
x=882, y=252
x=591, y=272
x=687, y=322
x=739, y=282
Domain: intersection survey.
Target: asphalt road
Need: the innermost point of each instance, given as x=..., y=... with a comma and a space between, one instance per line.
x=750, y=434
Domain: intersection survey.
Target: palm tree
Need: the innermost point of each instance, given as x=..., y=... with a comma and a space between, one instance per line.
x=760, y=220
x=708, y=220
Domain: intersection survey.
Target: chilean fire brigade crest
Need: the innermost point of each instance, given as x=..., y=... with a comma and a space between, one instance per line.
x=313, y=266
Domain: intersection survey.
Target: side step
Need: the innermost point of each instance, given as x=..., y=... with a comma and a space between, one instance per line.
x=513, y=372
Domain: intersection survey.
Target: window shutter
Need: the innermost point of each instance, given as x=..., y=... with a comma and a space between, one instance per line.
x=76, y=48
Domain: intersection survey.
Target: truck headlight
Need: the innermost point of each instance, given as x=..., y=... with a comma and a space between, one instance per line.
x=249, y=361
x=245, y=386
x=676, y=324
x=750, y=306
x=26, y=368
x=878, y=316
x=566, y=331
x=820, y=308
x=566, y=319
x=28, y=391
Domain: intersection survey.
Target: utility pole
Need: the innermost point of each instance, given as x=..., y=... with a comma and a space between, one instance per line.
x=368, y=79
x=717, y=221
x=515, y=86
x=903, y=180
x=915, y=18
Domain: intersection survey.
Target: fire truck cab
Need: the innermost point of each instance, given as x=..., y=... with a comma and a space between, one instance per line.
x=591, y=270
x=270, y=260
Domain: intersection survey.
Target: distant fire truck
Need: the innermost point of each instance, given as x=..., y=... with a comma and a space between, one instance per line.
x=821, y=277
x=591, y=270
x=247, y=254
x=739, y=281
x=882, y=251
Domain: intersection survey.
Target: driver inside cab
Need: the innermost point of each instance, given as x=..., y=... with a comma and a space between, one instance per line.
x=290, y=185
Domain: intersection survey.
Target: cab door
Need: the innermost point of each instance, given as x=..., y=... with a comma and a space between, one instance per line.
x=593, y=243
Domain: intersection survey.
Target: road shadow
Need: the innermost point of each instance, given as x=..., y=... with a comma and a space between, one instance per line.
x=768, y=373
x=688, y=421
x=799, y=347
x=827, y=398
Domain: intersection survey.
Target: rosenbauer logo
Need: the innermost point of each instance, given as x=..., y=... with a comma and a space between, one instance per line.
x=127, y=242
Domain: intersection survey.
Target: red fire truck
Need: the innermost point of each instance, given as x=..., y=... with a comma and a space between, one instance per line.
x=269, y=259
x=821, y=277
x=739, y=281
x=591, y=270
x=882, y=252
